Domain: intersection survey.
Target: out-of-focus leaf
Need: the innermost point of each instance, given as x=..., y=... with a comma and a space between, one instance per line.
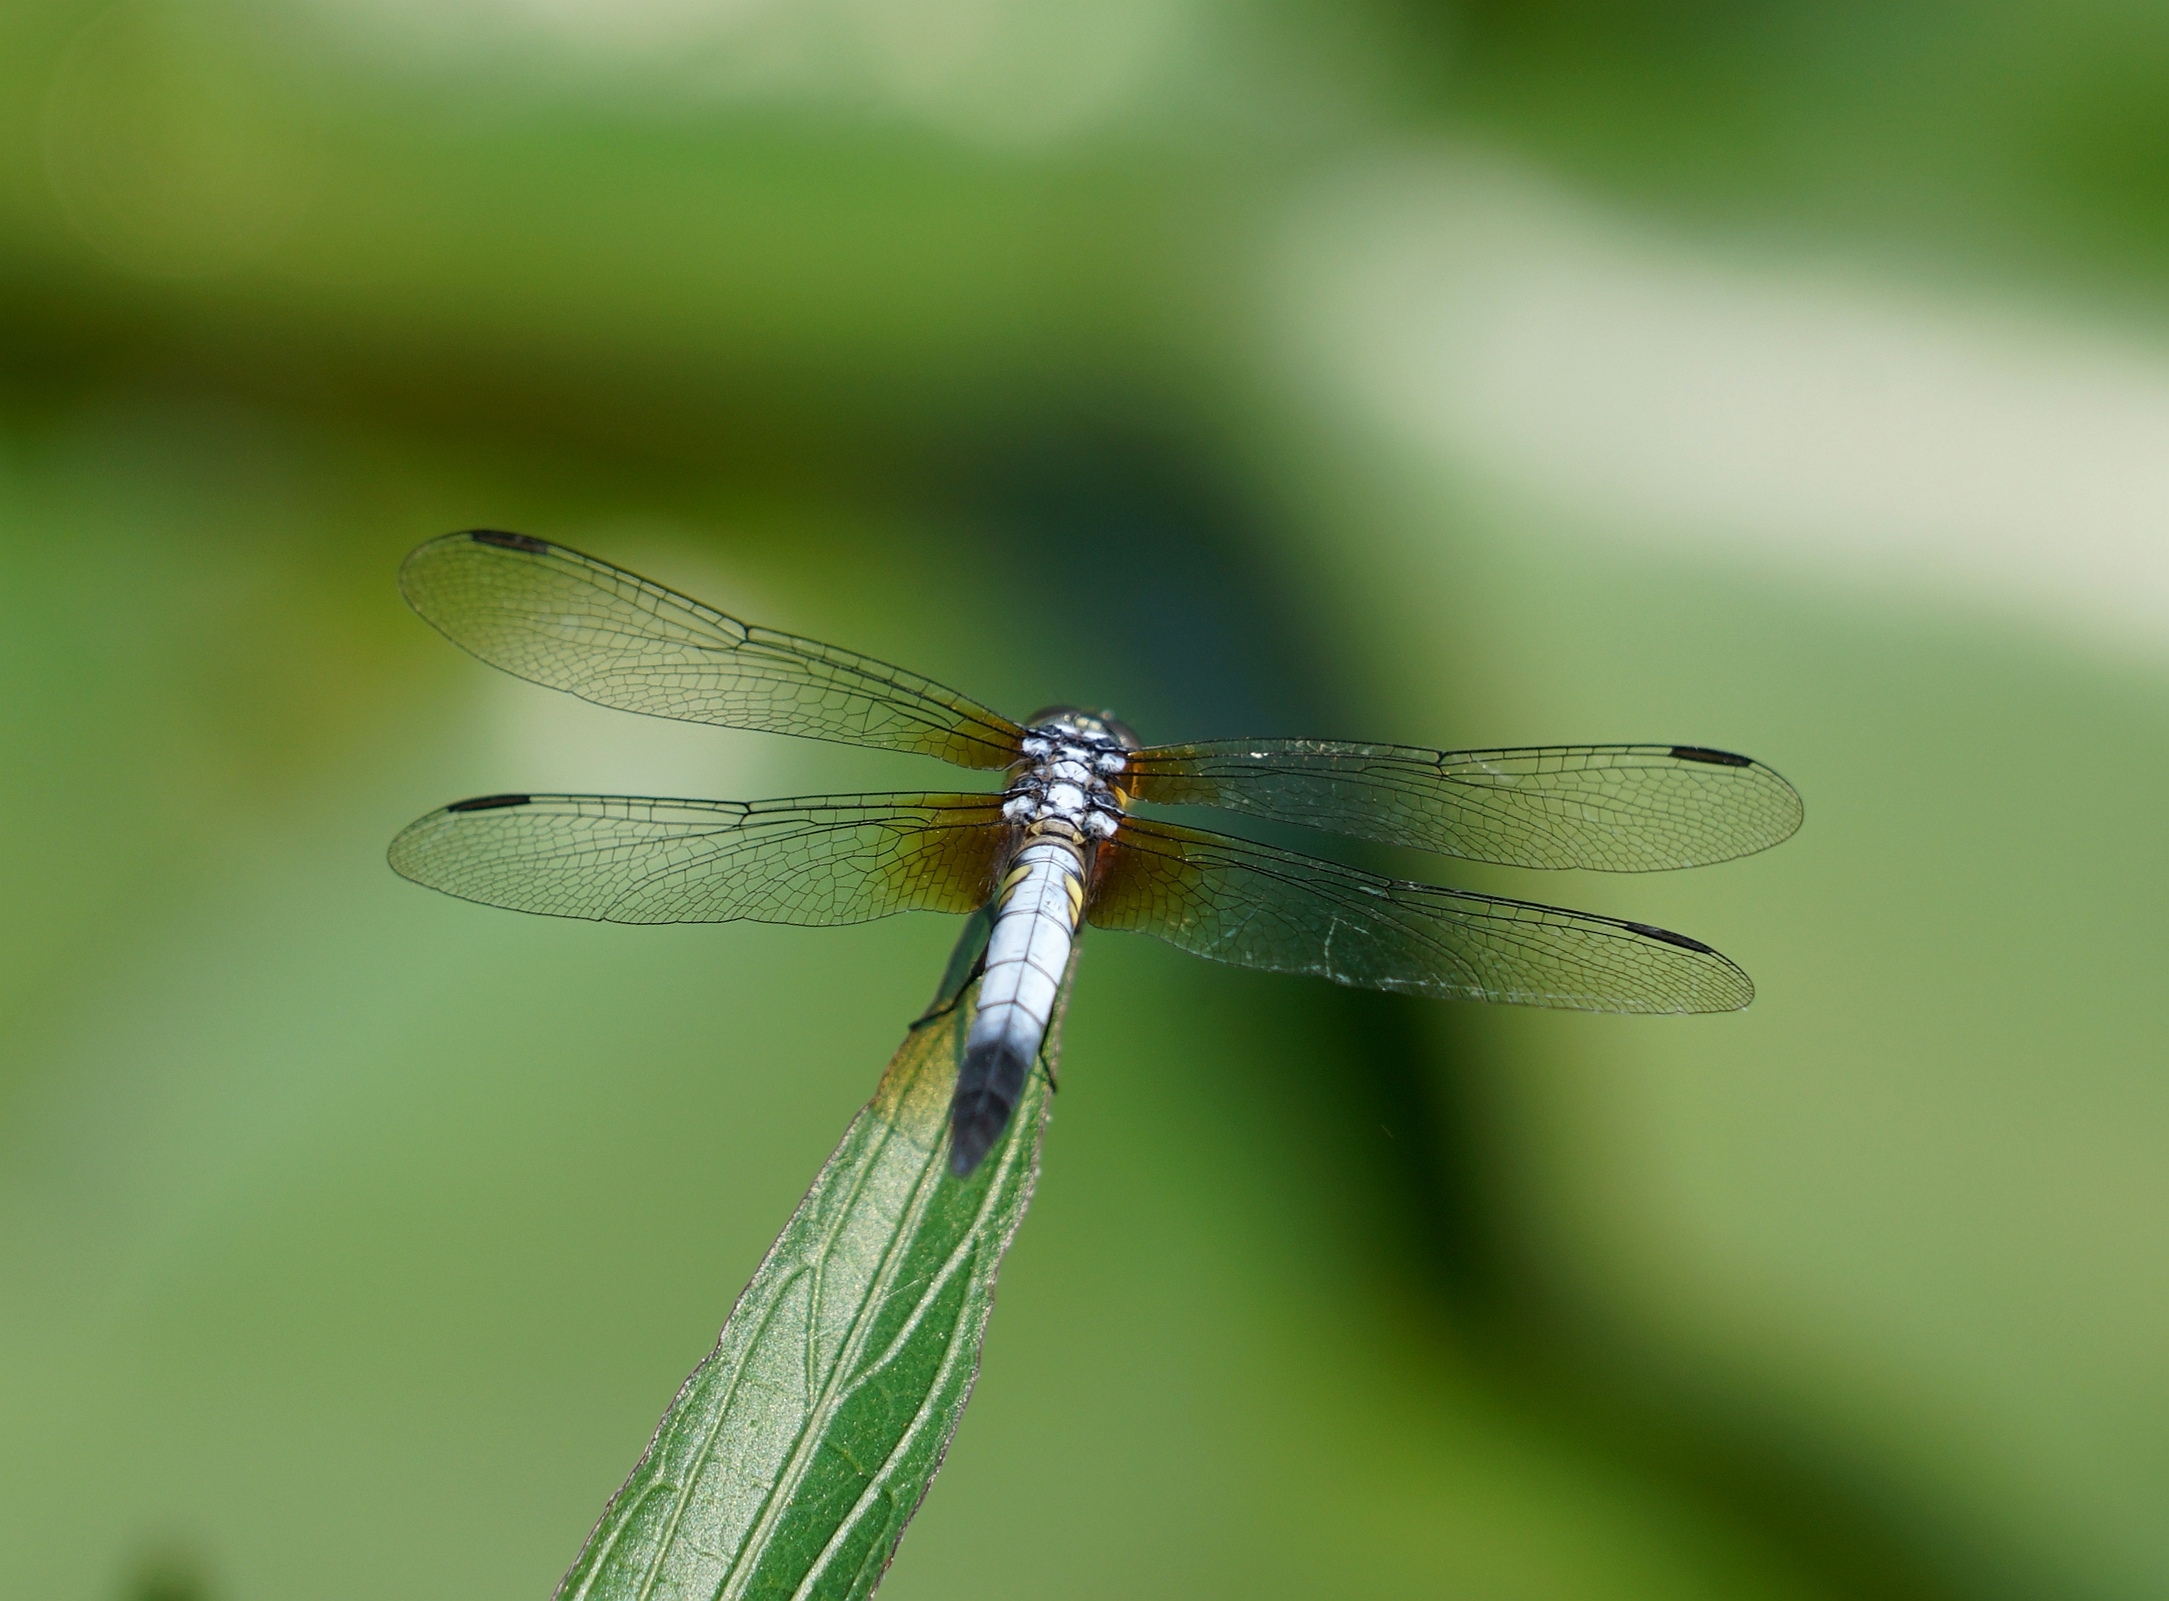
x=795, y=1454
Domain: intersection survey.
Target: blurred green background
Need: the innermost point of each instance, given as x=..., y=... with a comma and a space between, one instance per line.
x=1787, y=377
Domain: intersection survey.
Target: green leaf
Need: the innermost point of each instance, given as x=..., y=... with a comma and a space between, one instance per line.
x=797, y=1451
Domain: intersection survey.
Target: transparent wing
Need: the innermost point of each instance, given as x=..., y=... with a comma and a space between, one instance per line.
x=814, y=860
x=556, y=617
x=1620, y=808
x=1255, y=906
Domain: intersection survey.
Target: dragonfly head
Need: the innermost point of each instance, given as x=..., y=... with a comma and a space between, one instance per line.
x=1075, y=720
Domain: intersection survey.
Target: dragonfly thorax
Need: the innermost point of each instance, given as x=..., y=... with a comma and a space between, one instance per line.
x=1069, y=775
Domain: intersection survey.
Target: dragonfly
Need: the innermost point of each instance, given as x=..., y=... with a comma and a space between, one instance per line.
x=1060, y=846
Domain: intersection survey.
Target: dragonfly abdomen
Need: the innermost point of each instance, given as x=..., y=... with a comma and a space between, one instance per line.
x=1066, y=801
x=1026, y=956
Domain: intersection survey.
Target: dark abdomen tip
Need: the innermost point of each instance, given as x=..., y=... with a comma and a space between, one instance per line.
x=987, y=1087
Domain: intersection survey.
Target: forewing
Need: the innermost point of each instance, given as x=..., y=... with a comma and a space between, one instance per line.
x=1619, y=808
x=813, y=860
x=1254, y=906
x=556, y=617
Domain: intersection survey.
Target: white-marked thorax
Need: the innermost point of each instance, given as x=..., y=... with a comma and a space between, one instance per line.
x=1068, y=783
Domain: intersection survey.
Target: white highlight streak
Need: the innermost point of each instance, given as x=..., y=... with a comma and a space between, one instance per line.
x=1800, y=419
